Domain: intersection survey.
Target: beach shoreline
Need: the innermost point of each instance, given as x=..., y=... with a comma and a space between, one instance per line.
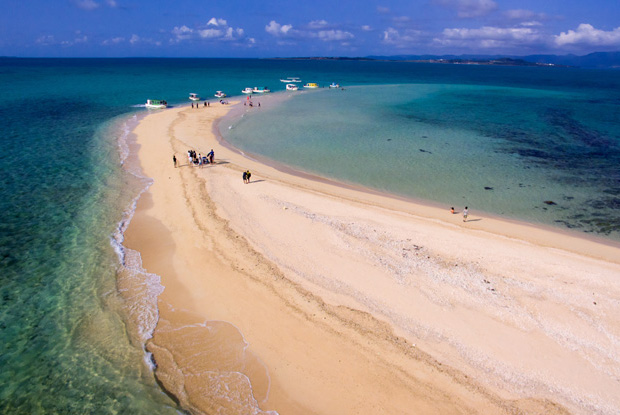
x=277, y=307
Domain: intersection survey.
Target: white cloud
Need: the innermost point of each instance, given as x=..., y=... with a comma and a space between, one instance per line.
x=217, y=22
x=79, y=39
x=587, y=35
x=403, y=39
x=182, y=33
x=487, y=32
x=366, y=28
x=334, y=35
x=470, y=8
x=214, y=30
x=276, y=29
x=134, y=39
x=48, y=40
x=315, y=30
x=489, y=37
x=533, y=23
x=113, y=41
x=230, y=33
x=527, y=18
x=317, y=24
x=112, y=3
x=383, y=10
x=210, y=33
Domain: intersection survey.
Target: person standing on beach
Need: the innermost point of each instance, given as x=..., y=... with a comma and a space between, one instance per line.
x=245, y=177
x=465, y=213
x=174, y=160
x=211, y=156
x=248, y=174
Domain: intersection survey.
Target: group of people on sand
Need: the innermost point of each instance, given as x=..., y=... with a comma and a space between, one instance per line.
x=194, y=159
x=465, y=213
x=206, y=104
x=199, y=160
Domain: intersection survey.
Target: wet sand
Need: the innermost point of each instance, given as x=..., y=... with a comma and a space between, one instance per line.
x=302, y=297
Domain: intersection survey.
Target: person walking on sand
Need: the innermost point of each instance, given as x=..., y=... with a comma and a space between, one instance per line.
x=248, y=175
x=211, y=156
x=465, y=213
x=245, y=177
x=174, y=160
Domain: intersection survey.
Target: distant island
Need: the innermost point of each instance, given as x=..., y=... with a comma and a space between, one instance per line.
x=601, y=60
x=498, y=61
x=462, y=61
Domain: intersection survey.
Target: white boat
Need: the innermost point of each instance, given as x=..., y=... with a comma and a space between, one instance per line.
x=311, y=85
x=290, y=79
x=291, y=87
x=247, y=90
x=194, y=97
x=220, y=94
x=260, y=89
x=334, y=85
x=156, y=104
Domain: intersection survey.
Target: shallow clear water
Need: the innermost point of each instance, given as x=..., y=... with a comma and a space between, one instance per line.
x=73, y=319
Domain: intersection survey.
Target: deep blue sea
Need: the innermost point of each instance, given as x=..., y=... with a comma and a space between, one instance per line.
x=535, y=144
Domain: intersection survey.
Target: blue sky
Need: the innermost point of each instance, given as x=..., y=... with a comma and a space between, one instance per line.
x=250, y=28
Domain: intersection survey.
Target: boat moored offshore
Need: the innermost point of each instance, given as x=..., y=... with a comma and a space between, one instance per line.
x=194, y=97
x=311, y=85
x=290, y=79
x=220, y=94
x=260, y=90
x=291, y=87
x=247, y=90
x=156, y=104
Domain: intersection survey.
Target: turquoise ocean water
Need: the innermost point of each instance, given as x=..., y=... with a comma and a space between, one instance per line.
x=75, y=307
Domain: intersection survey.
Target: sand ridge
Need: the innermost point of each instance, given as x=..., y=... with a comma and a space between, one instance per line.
x=301, y=297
